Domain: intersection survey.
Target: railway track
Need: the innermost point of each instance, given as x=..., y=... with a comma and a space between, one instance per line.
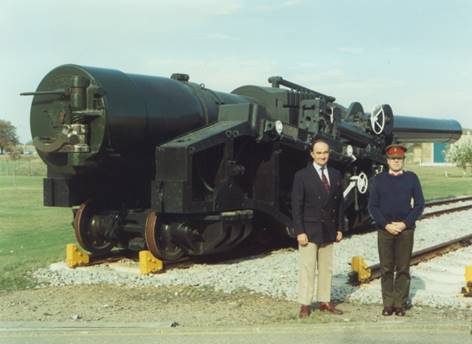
x=373, y=272
x=368, y=228
x=447, y=210
x=117, y=255
x=254, y=248
x=448, y=200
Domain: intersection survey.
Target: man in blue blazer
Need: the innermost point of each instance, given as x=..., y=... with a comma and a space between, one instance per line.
x=317, y=211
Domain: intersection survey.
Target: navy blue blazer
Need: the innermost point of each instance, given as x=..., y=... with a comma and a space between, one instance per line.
x=314, y=211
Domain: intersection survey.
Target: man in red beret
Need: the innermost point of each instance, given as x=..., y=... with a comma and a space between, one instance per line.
x=395, y=203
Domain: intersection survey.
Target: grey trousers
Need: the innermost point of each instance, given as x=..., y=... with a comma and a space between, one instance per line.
x=395, y=254
x=314, y=258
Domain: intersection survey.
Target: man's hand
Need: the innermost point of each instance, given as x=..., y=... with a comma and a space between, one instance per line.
x=392, y=229
x=339, y=236
x=302, y=239
x=401, y=226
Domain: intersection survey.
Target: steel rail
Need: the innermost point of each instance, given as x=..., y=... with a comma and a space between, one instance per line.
x=419, y=257
x=447, y=201
x=445, y=211
x=369, y=228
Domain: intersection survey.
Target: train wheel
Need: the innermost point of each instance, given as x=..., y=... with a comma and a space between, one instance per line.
x=159, y=248
x=86, y=234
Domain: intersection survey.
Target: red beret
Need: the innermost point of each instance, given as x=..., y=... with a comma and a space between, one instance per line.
x=395, y=151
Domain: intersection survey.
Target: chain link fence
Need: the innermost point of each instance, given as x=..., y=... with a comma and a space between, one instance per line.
x=25, y=166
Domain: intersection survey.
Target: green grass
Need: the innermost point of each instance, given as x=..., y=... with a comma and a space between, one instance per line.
x=436, y=185
x=32, y=235
x=26, y=166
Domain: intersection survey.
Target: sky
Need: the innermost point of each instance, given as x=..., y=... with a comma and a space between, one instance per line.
x=414, y=55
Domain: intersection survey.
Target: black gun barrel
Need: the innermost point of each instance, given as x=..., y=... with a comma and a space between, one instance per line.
x=416, y=129
x=126, y=113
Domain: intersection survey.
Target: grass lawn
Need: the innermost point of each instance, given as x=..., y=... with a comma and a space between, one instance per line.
x=32, y=235
x=436, y=185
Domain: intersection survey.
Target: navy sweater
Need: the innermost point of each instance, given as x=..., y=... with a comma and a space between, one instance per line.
x=390, y=199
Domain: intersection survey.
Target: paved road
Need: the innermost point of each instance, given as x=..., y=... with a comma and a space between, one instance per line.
x=356, y=333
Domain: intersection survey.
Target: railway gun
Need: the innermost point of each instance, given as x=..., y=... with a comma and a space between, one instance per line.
x=170, y=165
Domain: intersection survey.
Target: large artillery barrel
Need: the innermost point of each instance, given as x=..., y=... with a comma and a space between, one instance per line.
x=97, y=111
x=417, y=129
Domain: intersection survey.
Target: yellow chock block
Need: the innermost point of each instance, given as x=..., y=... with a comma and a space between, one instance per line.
x=361, y=269
x=468, y=273
x=148, y=263
x=74, y=257
x=467, y=290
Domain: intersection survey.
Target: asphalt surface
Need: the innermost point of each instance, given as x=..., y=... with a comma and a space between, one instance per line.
x=332, y=333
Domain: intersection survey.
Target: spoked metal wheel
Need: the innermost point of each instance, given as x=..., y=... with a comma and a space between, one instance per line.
x=88, y=233
x=362, y=183
x=377, y=120
x=159, y=247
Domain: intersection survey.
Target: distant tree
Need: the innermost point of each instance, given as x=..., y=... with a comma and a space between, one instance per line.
x=460, y=153
x=8, y=135
x=14, y=152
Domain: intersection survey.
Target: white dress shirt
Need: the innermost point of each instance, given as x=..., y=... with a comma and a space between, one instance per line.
x=318, y=170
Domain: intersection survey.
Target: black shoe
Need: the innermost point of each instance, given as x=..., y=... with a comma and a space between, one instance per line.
x=387, y=311
x=400, y=311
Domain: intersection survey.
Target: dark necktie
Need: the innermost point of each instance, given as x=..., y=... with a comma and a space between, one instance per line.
x=324, y=180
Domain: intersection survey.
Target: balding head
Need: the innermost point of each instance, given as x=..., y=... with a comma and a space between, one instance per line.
x=320, y=152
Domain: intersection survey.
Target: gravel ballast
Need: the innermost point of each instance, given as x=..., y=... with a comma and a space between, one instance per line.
x=436, y=283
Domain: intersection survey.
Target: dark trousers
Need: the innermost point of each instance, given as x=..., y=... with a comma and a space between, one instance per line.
x=395, y=254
